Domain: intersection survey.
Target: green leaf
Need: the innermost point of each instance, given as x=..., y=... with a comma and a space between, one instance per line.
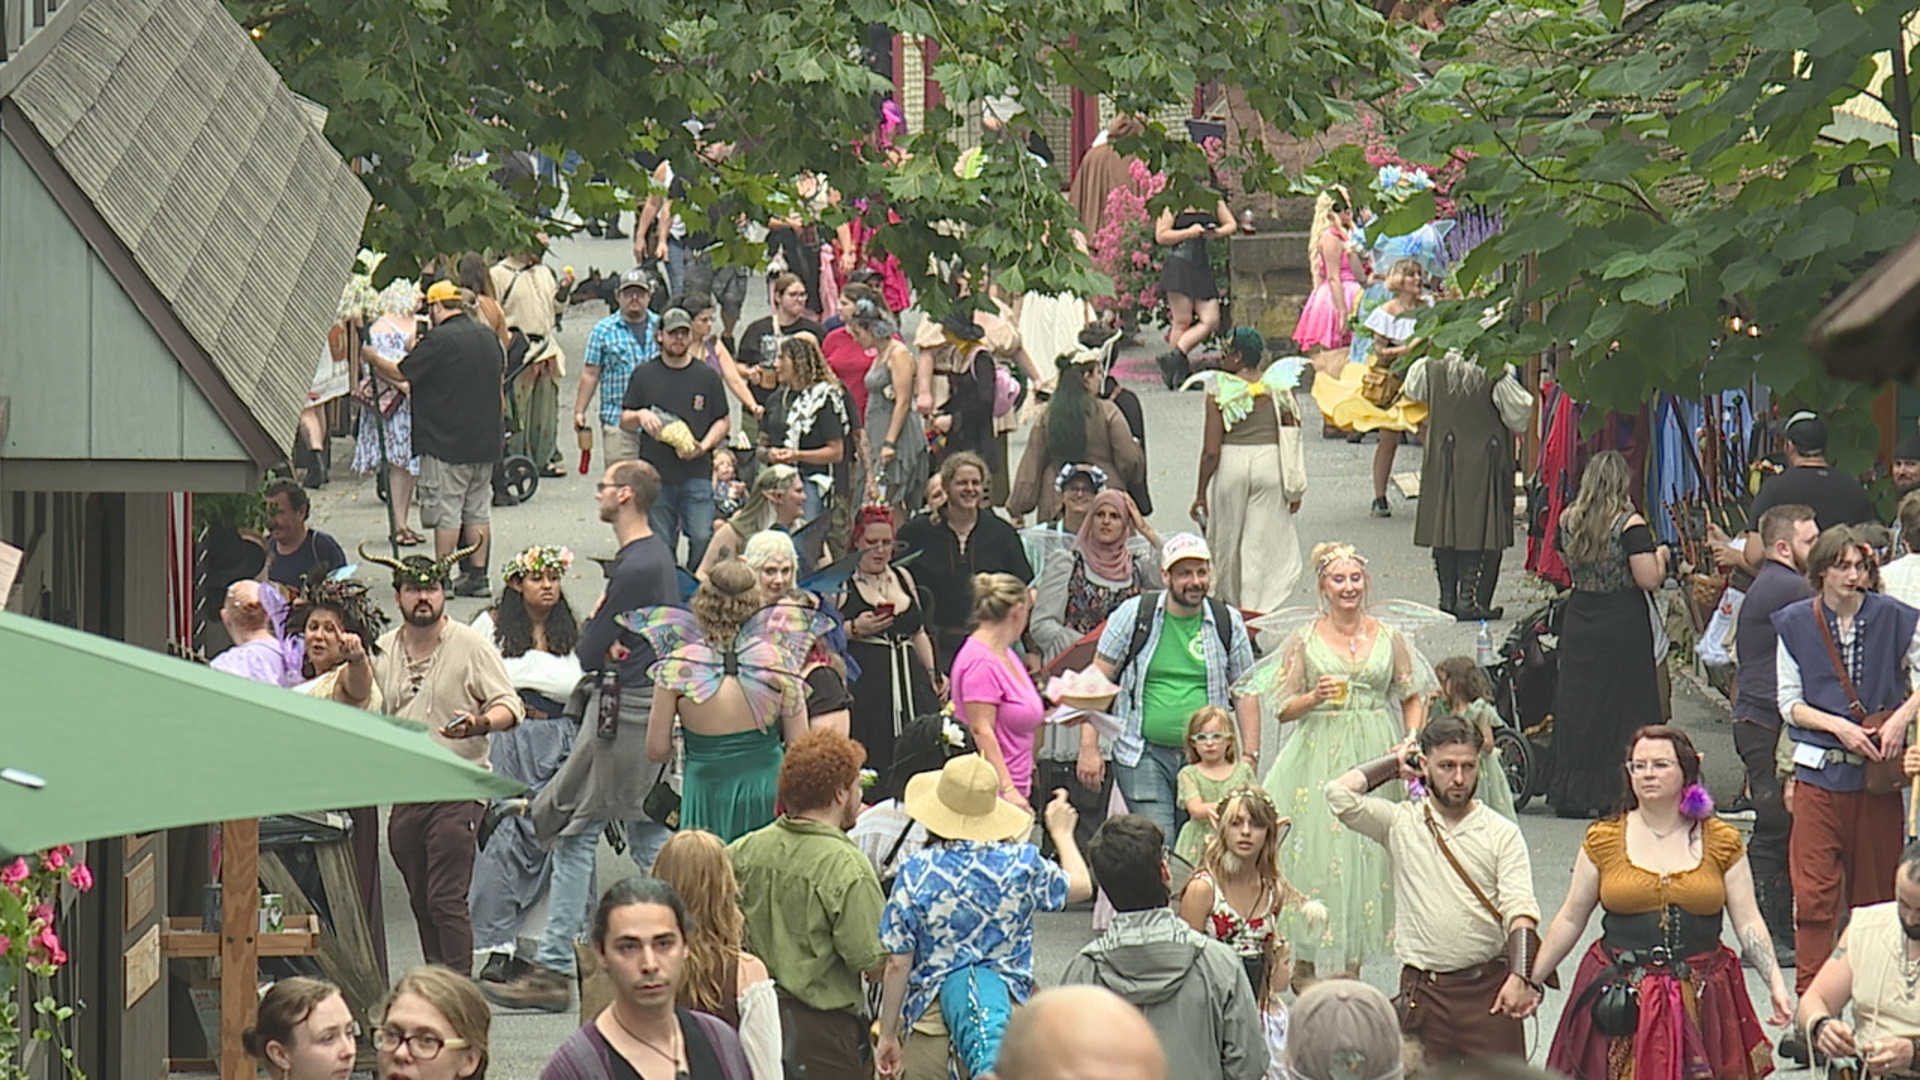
x=1654, y=289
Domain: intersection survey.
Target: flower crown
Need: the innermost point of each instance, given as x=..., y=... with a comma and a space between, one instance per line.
x=1067, y=472
x=1327, y=554
x=347, y=595
x=1401, y=184
x=537, y=560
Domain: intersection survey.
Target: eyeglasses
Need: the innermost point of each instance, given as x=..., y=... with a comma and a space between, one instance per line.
x=795, y=294
x=1210, y=736
x=425, y=1044
x=1639, y=768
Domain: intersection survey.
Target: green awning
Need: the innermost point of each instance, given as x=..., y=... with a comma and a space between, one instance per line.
x=99, y=738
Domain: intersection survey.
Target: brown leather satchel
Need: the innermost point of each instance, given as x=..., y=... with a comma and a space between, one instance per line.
x=1380, y=385
x=1883, y=777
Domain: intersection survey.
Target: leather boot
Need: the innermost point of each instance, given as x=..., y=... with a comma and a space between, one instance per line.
x=1479, y=573
x=1446, y=567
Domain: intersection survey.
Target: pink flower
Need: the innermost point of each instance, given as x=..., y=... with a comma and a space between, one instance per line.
x=53, y=860
x=43, y=913
x=15, y=873
x=49, y=943
x=81, y=877
x=6, y=946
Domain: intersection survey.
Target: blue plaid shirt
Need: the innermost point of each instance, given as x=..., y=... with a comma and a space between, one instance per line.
x=1223, y=669
x=616, y=350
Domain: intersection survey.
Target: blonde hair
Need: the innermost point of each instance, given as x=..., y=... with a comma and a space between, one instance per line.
x=730, y=594
x=1606, y=492
x=457, y=998
x=1208, y=714
x=1403, y=269
x=1217, y=861
x=1324, y=206
x=767, y=545
x=695, y=863
x=996, y=595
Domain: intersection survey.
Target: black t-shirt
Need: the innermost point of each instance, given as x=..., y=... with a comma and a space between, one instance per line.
x=1835, y=497
x=759, y=346
x=701, y=1060
x=320, y=555
x=830, y=422
x=642, y=575
x=456, y=371
x=693, y=393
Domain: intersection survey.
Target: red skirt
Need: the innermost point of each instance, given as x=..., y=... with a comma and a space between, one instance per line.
x=1698, y=1028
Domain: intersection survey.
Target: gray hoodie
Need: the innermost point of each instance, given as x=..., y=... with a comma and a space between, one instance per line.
x=1192, y=989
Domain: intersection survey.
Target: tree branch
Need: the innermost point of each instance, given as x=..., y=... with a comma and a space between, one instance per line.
x=1640, y=203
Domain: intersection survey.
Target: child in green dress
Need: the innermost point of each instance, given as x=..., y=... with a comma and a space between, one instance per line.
x=1214, y=767
x=1468, y=694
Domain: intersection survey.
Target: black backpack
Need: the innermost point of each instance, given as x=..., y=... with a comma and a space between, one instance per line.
x=1143, y=627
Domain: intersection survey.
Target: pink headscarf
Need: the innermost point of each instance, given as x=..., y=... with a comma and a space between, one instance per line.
x=1112, y=562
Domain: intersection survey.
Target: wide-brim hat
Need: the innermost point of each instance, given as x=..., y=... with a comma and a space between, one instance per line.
x=962, y=802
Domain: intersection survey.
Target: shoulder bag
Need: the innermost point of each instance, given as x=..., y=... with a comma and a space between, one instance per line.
x=1381, y=384
x=1513, y=401
x=1883, y=777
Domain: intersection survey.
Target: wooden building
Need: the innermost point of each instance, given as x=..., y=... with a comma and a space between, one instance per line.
x=175, y=232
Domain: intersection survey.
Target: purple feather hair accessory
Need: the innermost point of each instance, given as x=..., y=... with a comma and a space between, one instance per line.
x=1695, y=803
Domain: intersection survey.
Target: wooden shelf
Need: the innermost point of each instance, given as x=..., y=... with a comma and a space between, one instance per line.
x=183, y=937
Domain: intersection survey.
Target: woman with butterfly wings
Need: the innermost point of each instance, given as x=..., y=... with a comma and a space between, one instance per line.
x=1347, y=684
x=729, y=670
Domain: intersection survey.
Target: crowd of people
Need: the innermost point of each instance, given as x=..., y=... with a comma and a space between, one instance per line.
x=812, y=706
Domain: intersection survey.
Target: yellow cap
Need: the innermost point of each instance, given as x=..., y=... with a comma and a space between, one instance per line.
x=443, y=292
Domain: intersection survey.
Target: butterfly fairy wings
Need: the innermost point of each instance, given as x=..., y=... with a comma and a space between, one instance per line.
x=767, y=656
x=1280, y=631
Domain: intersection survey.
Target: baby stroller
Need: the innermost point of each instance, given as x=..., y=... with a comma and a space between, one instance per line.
x=1524, y=677
x=516, y=476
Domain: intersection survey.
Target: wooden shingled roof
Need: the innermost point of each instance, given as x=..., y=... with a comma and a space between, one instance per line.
x=214, y=177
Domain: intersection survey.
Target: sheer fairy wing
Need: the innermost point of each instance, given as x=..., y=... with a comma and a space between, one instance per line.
x=1208, y=380
x=1278, y=670
x=1275, y=625
x=1234, y=395
x=1409, y=617
x=778, y=637
x=666, y=629
x=833, y=576
x=1041, y=541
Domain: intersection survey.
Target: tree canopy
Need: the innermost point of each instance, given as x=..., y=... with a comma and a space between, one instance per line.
x=1680, y=197
x=419, y=89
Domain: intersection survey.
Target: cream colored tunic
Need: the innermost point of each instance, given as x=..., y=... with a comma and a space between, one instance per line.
x=1883, y=1004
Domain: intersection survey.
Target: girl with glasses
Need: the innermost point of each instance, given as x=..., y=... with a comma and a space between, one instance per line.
x=1214, y=767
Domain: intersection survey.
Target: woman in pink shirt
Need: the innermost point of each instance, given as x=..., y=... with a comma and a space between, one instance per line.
x=991, y=686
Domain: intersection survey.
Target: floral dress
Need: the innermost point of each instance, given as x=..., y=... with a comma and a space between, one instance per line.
x=399, y=415
x=1347, y=872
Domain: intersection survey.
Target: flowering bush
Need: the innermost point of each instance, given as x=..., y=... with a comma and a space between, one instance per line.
x=31, y=952
x=1124, y=250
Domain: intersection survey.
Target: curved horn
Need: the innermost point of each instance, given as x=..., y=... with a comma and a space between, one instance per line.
x=455, y=558
x=390, y=563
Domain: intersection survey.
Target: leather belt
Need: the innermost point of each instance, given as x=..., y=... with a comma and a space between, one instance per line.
x=1463, y=975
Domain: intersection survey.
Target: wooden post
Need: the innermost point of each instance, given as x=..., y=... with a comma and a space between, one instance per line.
x=239, y=947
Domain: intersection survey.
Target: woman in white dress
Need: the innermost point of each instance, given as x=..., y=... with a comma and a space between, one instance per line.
x=1252, y=476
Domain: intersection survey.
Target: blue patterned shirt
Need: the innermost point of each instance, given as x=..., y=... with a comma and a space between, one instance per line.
x=963, y=904
x=1224, y=668
x=616, y=350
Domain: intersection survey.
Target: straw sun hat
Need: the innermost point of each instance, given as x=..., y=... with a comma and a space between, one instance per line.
x=962, y=802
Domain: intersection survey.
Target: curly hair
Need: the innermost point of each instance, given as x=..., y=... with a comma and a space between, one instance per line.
x=1606, y=493
x=809, y=364
x=695, y=863
x=818, y=767
x=351, y=602
x=882, y=514
x=513, y=626
x=729, y=595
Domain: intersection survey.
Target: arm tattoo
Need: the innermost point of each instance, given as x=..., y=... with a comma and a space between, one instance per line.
x=1759, y=952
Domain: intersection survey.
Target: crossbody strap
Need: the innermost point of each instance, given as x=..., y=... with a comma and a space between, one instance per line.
x=1440, y=842
x=1840, y=668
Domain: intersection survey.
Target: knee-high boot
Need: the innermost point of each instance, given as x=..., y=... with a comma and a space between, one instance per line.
x=1446, y=567
x=1479, y=573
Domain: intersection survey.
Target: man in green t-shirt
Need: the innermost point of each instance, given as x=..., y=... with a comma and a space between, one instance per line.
x=1193, y=651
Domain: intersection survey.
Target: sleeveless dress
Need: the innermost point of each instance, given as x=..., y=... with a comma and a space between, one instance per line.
x=903, y=481
x=731, y=781
x=893, y=687
x=1247, y=938
x=1186, y=269
x=1695, y=1020
x=1320, y=325
x=1607, y=688
x=399, y=421
x=1329, y=862
x=1192, y=784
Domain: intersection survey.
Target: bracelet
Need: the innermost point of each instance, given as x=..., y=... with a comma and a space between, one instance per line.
x=1813, y=1030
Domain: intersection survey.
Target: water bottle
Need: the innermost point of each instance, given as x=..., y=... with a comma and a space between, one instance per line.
x=1483, y=646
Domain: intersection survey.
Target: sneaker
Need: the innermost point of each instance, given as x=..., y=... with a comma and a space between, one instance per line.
x=540, y=988
x=1381, y=509
x=472, y=584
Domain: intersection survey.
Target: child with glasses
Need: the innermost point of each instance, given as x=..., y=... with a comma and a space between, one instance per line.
x=1214, y=767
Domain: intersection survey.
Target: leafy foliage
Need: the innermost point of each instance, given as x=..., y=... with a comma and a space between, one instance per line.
x=419, y=89
x=1660, y=174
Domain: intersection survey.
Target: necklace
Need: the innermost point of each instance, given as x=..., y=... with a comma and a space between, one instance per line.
x=672, y=1056
x=1909, y=974
x=1657, y=834
x=1354, y=637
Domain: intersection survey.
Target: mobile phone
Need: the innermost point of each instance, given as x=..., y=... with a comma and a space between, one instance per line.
x=885, y=611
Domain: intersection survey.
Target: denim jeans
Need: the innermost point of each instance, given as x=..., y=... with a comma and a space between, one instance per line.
x=571, y=896
x=1149, y=787
x=684, y=507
